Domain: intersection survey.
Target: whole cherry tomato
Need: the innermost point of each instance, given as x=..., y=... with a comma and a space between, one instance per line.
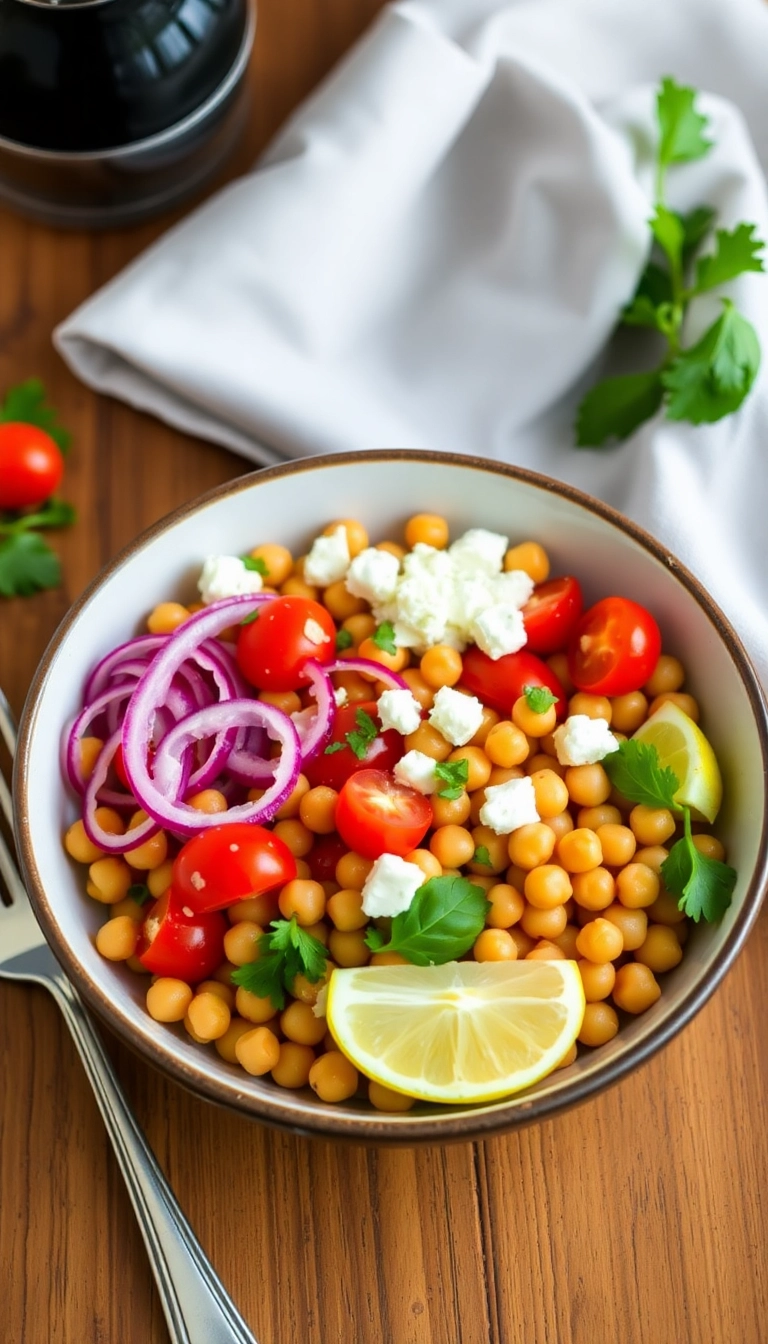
x=615, y=647
x=228, y=863
x=551, y=613
x=324, y=855
x=334, y=768
x=31, y=465
x=499, y=682
x=377, y=815
x=272, y=650
x=175, y=941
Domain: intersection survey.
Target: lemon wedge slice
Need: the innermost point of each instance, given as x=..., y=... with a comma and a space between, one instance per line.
x=682, y=746
x=464, y=1032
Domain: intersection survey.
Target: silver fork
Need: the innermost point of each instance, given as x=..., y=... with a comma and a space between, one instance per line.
x=196, y=1305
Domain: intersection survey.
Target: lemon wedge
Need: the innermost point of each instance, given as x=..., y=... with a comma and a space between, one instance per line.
x=464, y=1032
x=682, y=746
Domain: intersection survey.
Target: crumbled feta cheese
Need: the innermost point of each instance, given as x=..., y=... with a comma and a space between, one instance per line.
x=424, y=592
x=399, y=710
x=499, y=630
x=340, y=696
x=227, y=576
x=479, y=549
x=390, y=886
x=456, y=716
x=372, y=575
x=583, y=741
x=315, y=633
x=513, y=589
x=328, y=558
x=509, y=805
x=417, y=770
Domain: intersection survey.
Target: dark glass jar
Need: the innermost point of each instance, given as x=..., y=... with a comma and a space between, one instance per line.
x=111, y=109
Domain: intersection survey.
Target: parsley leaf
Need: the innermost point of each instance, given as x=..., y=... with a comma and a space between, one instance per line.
x=384, y=637
x=702, y=885
x=344, y=640
x=696, y=225
x=255, y=563
x=283, y=954
x=482, y=856
x=614, y=408
x=26, y=403
x=139, y=892
x=27, y=565
x=635, y=770
x=455, y=775
x=668, y=231
x=734, y=253
x=681, y=126
x=361, y=737
x=539, y=698
x=441, y=923
x=712, y=378
x=334, y=747
x=53, y=513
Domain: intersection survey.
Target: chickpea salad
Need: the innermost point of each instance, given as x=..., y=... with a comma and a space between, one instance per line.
x=400, y=820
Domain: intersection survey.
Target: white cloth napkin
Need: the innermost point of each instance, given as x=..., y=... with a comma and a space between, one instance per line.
x=434, y=252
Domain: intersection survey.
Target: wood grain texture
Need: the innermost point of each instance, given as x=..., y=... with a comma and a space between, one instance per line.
x=638, y=1218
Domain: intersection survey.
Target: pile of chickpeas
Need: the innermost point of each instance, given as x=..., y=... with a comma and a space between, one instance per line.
x=582, y=883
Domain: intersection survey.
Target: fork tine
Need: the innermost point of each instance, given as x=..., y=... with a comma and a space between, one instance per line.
x=8, y=871
x=7, y=724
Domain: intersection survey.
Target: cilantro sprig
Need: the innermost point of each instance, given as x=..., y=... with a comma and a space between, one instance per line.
x=359, y=739
x=256, y=564
x=699, y=383
x=454, y=775
x=283, y=954
x=384, y=637
x=27, y=563
x=482, y=857
x=539, y=698
x=27, y=404
x=703, y=886
x=441, y=923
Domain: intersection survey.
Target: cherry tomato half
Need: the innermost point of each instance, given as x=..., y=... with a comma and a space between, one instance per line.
x=551, y=613
x=334, y=769
x=272, y=650
x=227, y=863
x=377, y=815
x=176, y=941
x=31, y=465
x=615, y=647
x=499, y=682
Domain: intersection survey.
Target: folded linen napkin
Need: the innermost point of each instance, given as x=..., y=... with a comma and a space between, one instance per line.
x=434, y=251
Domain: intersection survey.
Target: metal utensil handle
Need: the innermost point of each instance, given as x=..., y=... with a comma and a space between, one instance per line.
x=196, y=1305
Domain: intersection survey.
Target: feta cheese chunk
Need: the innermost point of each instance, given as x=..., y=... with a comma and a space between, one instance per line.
x=417, y=770
x=227, y=576
x=399, y=710
x=509, y=805
x=328, y=559
x=340, y=696
x=372, y=575
x=583, y=741
x=390, y=886
x=498, y=631
x=456, y=716
x=479, y=549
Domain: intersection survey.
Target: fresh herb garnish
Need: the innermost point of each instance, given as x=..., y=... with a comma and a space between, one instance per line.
x=482, y=856
x=344, y=640
x=539, y=698
x=255, y=563
x=442, y=922
x=702, y=886
x=26, y=403
x=283, y=954
x=363, y=735
x=139, y=892
x=384, y=637
x=700, y=383
x=254, y=616
x=334, y=747
x=455, y=775
x=27, y=563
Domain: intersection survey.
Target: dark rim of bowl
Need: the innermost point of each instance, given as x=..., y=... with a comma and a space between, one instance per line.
x=303, y=1116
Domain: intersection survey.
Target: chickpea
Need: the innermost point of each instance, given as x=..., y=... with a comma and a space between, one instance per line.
x=547, y=886
x=109, y=879
x=522, y=940
x=429, y=529
x=488, y=720
x=579, y=851
x=360, y=627
x=341, y=603
x=651, y=825
x=255, y=910
x=116, y=940
x=566, y=940
x=428, y=740
x=665, y=910
x=633, y=925
x=299, y=1023
x=168, y=999
x=550, y=791
x=258, y=1051
x=166, y=617
x=304, y=899
x=357, y=537
x=226, y=1045
x=159, y=879
x=599, y=1025
x=540, y=760
x=546, y=951
x=636, y=988
x=419, y=688
x=288, y=701
x=569, y=1057
x=494, y=945
x=277, y=560
x=254, y=1007
x=90, y=750
x=393, y=547
x=384, y=1099
x=506, y=744
x=598, y=979
x=629, y=711
x=600, y=940
x=507, y=906
x=352, y=870
x=593, y=706
x=595, y=817
x=387, y=959
x=637, y=886
x=617, y=843
x=531, y=845
x=595, y=889
x=652, y=856
x=77, y=843
x=317, y=810
x=241, y=942
x=478, y=766
x=209, y=1016
x=668, y=675
x=560, y=825
x=345, y=909
x=530, y=722
x=530, y=557
x=559, y=665
x=710, y=846
x=684, y=702
x=451, y=811
x=290, y=808
x=150, y=854
x=224, y=992
x=452, y=846
x=128, y=907
x=333, y=1077
x=661, y=950
x=549, y=924
x=588, y=785
x=496, y=845
x=441, y=666
x=349, y=948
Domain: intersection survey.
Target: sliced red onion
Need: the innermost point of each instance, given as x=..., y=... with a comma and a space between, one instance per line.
x=112, y=844
x=78, y=731
x=316, y=731
x=143, y=647
x=155, y=792
x=370, y=669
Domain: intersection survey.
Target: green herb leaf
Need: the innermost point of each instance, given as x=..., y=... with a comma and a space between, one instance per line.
x=539, y=698
x=256, y=564
x=636, y=771
x=344, y=640
x=27, y=404
x=284, y=953
x=27, y=565
x=712, y=378
x=641, y=312
x=333, y=747
x=614, y=408
x=702, y=885
x=482, y=856
x=265, y=976
x=455, y=775
x=696, y=225
x=441, y=923
x=681, y=126
x=361, y=738
x=139, y=892
x=668, y=231
x=54, y=513
x=734, y=253
x=384, y=637
x=655, y=284
x=254, y=616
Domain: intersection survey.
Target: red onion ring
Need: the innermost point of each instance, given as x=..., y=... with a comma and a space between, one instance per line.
x=112, y=844
x=370, y=669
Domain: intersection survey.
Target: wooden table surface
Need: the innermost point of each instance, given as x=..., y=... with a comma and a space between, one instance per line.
x=639, y=1217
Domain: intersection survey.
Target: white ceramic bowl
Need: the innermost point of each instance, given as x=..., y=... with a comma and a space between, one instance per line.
x=291, y=504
